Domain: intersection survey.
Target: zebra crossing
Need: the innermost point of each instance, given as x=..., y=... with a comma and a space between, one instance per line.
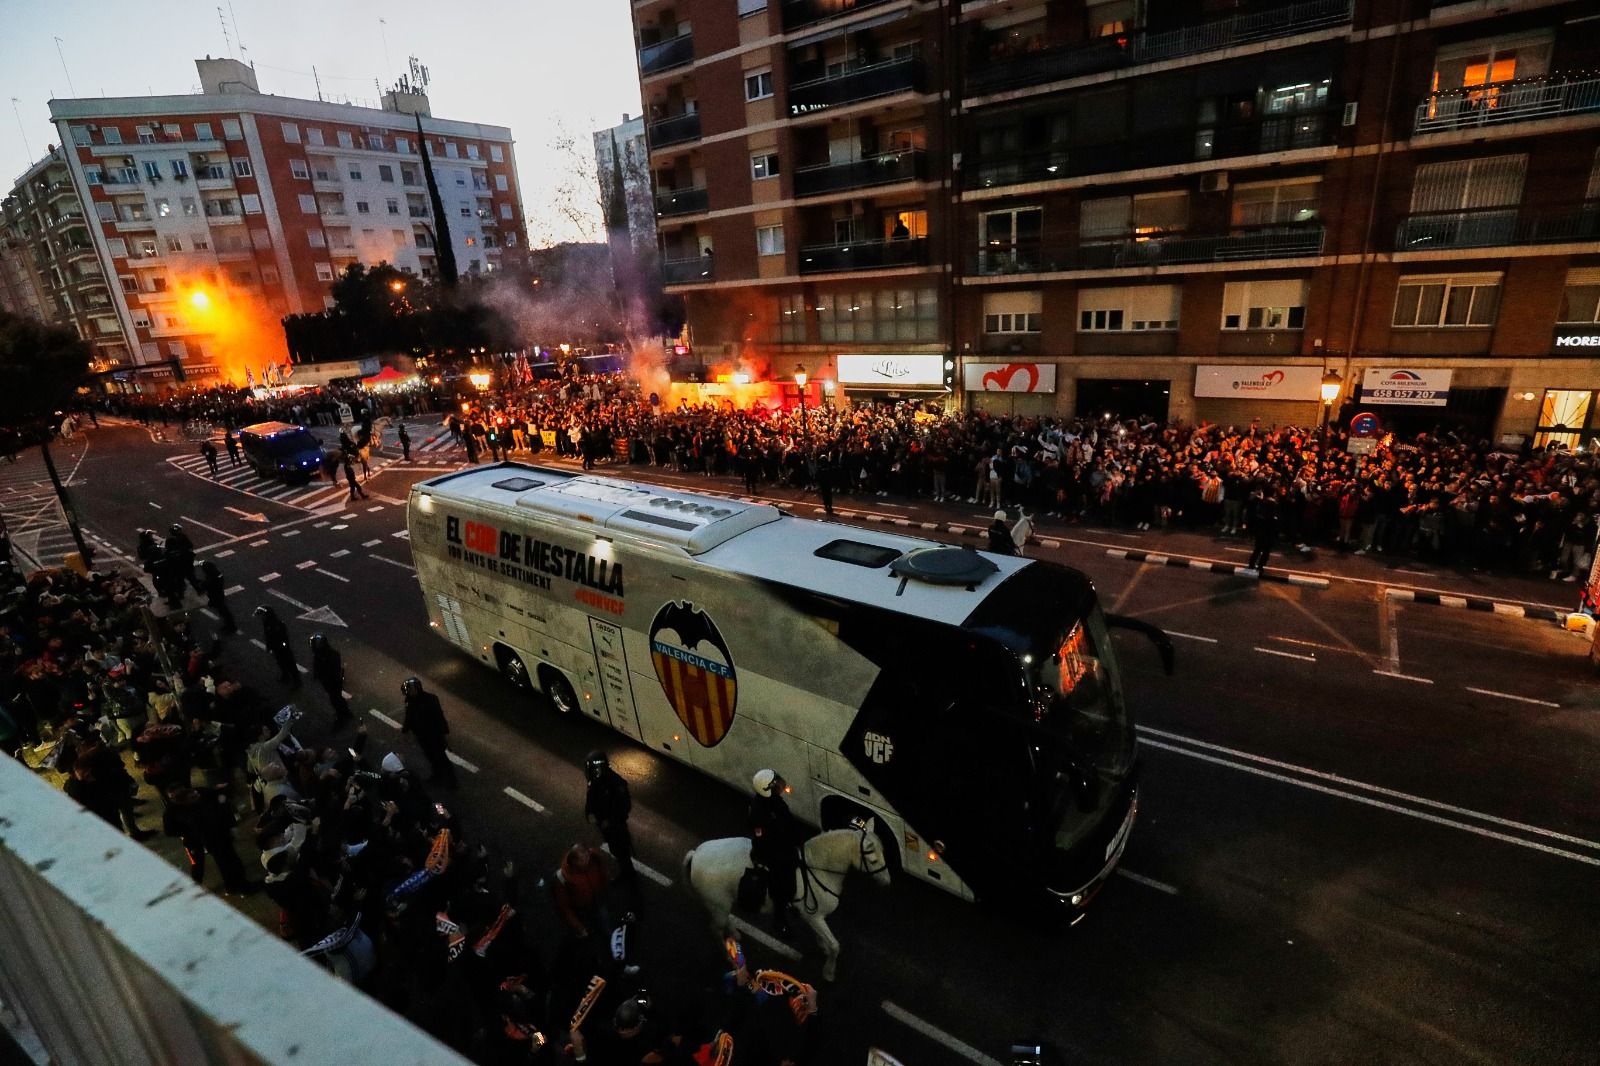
x=308, y=495
x=33, y=516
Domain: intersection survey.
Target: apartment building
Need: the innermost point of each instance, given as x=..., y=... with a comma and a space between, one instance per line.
x=1202, y=210
x=266, y=199
x=621, y=152
x=48, y=267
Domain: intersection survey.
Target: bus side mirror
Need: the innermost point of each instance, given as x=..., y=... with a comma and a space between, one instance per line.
x=1153, y=633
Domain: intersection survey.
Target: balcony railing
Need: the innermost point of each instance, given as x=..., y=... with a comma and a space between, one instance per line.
x=671, y=202
x=1511, y=101
x=1498, y=227
x=861, y=83
x=999, y=72
x=882, y=169
x=863, y=255
x=1272, y=133
x=664, y=55
x=675, y=130
x=687, y=271
x=797, y=13
x=1275, y=242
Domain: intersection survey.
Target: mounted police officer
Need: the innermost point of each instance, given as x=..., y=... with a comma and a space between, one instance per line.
x=774, y=842
x=607, y=805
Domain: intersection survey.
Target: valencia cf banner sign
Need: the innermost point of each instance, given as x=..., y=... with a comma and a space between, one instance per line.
x=695, y=669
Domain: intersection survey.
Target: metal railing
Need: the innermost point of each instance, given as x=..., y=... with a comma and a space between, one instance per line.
x=882, y=169
x=664, y=55
x=675, y=130
x=1499, y=227
x=686, y=271
x=1282, y=132
x=863, y=255
x=671, y=202
x=860, y=83
x=797, y=13
x=1512, y=101
x=1272, y=242
x=999, y=72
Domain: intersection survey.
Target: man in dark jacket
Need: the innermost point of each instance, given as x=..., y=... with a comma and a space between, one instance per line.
x=104, y=794
x=774, y=843
x=203, y=823
x=211, y=584
x=424, y=719
x=276, y=637
x=327, y=666
x=607, y=805
x=1264, y=526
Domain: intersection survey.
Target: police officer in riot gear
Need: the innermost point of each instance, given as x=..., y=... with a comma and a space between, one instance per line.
x=607, y=805
x=425, y=721
x=774, y=843
x=327, y=666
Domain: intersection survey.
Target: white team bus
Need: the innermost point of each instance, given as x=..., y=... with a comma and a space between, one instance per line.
x=970, y=703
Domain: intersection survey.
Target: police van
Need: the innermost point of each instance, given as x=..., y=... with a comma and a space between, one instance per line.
x=281, y=449
x=971, y=703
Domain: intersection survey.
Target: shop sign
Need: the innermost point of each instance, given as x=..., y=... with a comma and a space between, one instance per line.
x=1230, y=382
x=1577, y=339
x=891, y=371
x=1406, y=386
x=1009, y=377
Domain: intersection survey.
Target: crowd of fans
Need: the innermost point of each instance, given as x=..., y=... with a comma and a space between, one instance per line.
x=365, y=868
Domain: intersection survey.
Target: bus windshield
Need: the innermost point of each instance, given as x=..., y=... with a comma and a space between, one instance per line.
x=1077, y=695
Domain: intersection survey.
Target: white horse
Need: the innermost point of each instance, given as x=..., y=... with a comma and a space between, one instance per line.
x=714, y=868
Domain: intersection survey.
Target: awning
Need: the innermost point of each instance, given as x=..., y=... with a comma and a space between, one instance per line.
x=387, y=376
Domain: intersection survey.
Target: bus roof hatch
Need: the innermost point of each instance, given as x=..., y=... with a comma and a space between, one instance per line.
x=943, y=565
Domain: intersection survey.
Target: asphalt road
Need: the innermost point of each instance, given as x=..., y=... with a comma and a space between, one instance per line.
x=1369, y=830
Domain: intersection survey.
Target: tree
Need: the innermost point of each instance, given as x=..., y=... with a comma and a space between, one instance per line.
x=41, y=367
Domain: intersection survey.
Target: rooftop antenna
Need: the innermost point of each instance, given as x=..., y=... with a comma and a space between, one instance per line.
x=419, y=75
x=20, y=128
x=63, y=57
x=316, y=79
x=226, y=40
x=383, y=31
x=236, y=34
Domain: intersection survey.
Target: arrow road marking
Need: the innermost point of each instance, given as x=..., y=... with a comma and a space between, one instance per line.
x=248, y=516
x=321, y=615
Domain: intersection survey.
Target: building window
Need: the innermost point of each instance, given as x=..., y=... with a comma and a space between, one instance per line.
x=128, y=282
x=316, y=238
x=1467, y=300
x=393, y=206
x=1158, y=214
x=1564, y=416
x=1013, y=312
x=500, y=183
x=202, y=131
x=505, y=212
x=386, y=173
x=314, y=136
x=764, y=165
x=146, y=134
x=152, y=169
x=117, y=247
x=291, y=132
x=105, y=211
x=191, y=206
x=199, y=244
x=110, y=135
x=174, y=244
x=241, y=168
x=472, y=242
x=375, y=141
x=163, y=207
x=511, y=240
x=905, y=225
x=251, y=202
x=1139, y=308
x=80, y=135
x=158, y=283
x=472, y=151
x=1580, y=300
x=1481, y=65
x=308, y=203
x=451, y=151
x=298, y=169
x=769, y=240
x=324, y=272
x=1110, y=216
x=1009, y=240
x=791, y=319
x=363, y=208
x=141, y=317
x=1264, y=304
x=466, y=211
x=269, y=275
x=1276, y=203
x=1468, y=184
x=408, y=176
x=180, y=169
x=402, y=145
x=355, y=173
x=758, y=85
x=231, y=129
x=345, y=139
x=496, y=154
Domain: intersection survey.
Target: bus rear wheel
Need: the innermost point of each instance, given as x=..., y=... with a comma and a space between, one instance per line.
x=559, y=689
x=512, y=668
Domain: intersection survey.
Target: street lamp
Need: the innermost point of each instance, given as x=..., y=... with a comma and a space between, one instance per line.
x=1331, y=384
x=480, y=379
x=800, y=383
x=397, y=285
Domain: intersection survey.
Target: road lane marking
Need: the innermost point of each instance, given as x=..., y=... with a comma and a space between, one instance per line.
x=224, y=554
x=1148, y=882
x=404, y=534
x=258, y=543
x=1286, y=654
x=154, y=504
x=937, y=1035
x=302, y=668
x=336, y=577
x=526, y=801
x=270, y=577
x=763, y=937
x=394, y=562
x=231, y=589
x=347, y=517
x=307, y=565
x=372, y=543
x=320, y=525
x=290, y=533
x=1190, y=636
x=202, y=525
x=340, y=554
x=1510, y=696
x=371, y=510
x=341, y=525
x=1351, y=782
x=1404, y=677
x=650, y=872
x=258, y=642
x=470, y=768
x=385, y=719
x=209, y=613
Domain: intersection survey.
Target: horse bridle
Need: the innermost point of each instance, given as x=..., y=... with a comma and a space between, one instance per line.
x=811, y=882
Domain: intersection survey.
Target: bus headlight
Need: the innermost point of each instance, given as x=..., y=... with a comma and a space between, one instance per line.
x=1078, y=898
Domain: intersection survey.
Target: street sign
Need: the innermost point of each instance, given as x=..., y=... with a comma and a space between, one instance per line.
x=1364, y=424
x=1361, y=445
x=345, y=414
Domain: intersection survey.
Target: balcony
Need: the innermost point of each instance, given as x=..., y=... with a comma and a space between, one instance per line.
x=664, y=55
x=1273, y=242
x=416, y=212
x=1283, y=132
x=1499, y=227
x=861, y=83
x=134, y=223
x=58, y=189
x=1003, y=71
x=885, y=168
x=798, y=13
x=1532, y=100
x=78, y=251
x=863, y=255
x=675, y=130
x=688, y=271
x=670, y=202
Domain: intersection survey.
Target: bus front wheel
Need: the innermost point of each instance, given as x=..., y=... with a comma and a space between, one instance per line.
x=556, y=686
x=512, y=667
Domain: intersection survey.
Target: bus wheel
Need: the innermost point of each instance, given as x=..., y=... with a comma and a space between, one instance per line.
x=838, y=813
x=556, y=686
x=512, y=667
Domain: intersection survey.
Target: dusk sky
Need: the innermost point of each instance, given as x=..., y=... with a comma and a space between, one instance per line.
x=536, y=66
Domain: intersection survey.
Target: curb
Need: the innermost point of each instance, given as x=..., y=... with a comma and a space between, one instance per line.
x=1473, y=603
x=1231, y=569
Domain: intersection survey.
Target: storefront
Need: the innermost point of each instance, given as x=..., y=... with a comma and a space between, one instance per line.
x=1123, y=398
x=873, y=378
x=1420, y=399
x=1233, y=394
x=1016, y=388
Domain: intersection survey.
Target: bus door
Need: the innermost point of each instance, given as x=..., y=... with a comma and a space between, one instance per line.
x=615, y=687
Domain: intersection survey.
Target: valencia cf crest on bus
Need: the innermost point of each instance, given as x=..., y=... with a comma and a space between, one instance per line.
x=696, y=671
